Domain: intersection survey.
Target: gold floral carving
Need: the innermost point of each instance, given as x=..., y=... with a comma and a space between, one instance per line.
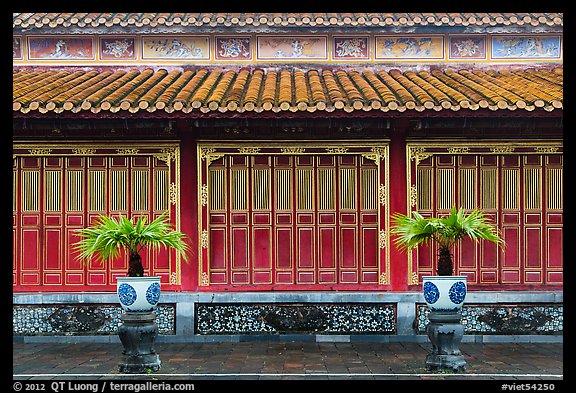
x=546, y=149
x=204, y=239
x=40, y=151
x=382, y=194
x=458, y=150
x=382, y=238
x=502, y=149
x=167, y=154
x=413, y=195
x=337, y=150
x=418, y=154
x=204, y=194
x=248, y=150
x=383, y=279
x=292, y=150
x=83, y=151
x=173, y=193
x=204, y=280
x=127, y=151
x=206, y=151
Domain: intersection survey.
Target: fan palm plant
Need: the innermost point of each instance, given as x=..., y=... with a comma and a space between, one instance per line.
x=108, y=236
x=446, y=231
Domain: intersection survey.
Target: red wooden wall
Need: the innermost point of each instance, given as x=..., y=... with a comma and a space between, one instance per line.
x=289, y=217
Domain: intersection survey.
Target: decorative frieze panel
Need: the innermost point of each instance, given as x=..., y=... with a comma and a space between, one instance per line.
x=61, y=188
x=519, y=186
x=295, y=318
x=267, y=48
x=504, y=319
x=283, y=216
x=78, y=320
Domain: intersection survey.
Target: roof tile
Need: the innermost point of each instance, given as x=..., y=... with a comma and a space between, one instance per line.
x=52, y=20
x=286, y=89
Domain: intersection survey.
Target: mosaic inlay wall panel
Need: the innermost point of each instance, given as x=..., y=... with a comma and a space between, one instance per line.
x=287, y=47
x=68, y=320
x=504, y=319
x=295, y=318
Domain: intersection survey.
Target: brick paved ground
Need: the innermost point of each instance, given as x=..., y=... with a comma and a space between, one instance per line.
x=289, y=360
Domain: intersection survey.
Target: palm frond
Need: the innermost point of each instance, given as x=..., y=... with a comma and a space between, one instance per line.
x=446, y=230
x=108, y=236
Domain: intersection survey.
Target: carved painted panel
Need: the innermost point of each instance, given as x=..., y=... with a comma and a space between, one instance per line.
x=175, y=47
x=61, y=48
x=409, y=47
x=523, y=47
x=117, y=48
x=467, y=47
x=233, y=47
x=350, y=47
x=292, y=47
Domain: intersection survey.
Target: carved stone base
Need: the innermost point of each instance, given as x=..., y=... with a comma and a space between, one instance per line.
x=445, y=333
x=138, y=334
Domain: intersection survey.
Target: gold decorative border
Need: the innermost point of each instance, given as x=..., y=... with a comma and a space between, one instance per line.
x=209, y=151
x=419, y=151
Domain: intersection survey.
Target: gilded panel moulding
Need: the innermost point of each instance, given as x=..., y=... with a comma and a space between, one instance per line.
x=414, y=279
x=173, y=278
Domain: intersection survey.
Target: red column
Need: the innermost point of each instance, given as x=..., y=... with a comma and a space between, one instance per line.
x=398, y=201
x=189, y=208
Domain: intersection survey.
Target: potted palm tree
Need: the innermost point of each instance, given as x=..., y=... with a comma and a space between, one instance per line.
x=138, y=294
x=445, y=292
x=108, y=237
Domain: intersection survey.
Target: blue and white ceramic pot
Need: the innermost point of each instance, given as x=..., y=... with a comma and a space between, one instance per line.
x=444, y=294
x=138, y=294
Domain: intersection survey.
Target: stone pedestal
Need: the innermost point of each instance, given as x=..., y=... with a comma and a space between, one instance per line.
x=445, y=333
x=138, y=334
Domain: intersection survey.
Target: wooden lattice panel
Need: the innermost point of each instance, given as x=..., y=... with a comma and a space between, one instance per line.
x=60, y=189
x=520, y=189
x=292, y=217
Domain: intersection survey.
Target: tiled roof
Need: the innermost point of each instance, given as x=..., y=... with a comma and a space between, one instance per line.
x=285, y=89
x=26, y=20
